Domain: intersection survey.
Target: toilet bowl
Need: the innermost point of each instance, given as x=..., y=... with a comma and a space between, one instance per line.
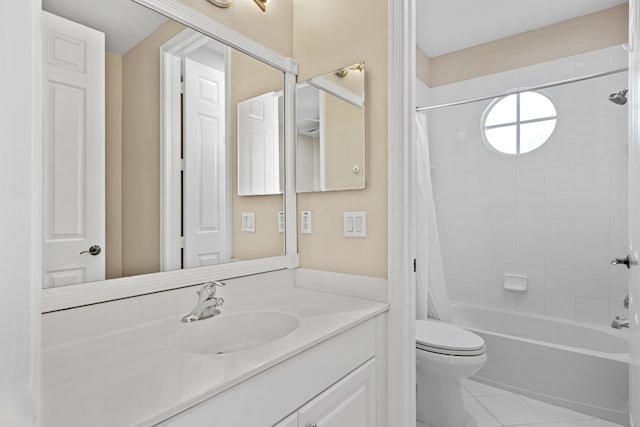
x=444, y=354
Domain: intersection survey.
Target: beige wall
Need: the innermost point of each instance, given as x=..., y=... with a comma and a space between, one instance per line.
x=272, y=28
x=583, y=34
x=328, y=35
x=113, y=163
x=423, y=67
x=141, y=153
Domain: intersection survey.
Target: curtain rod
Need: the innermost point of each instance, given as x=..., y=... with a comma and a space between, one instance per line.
x=527, y=89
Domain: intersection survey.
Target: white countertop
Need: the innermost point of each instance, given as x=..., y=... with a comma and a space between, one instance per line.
x=135, y=376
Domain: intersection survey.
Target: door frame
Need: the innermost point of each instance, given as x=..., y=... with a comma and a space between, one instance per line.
x=401, y=362
x=634, y=208
x=171, y=164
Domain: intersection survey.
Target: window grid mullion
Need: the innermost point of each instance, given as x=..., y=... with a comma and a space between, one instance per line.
x=523, y=122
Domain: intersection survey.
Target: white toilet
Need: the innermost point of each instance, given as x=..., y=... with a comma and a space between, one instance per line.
x=444, y=353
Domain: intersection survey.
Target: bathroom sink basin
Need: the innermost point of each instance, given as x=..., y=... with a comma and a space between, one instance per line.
x=235, y=332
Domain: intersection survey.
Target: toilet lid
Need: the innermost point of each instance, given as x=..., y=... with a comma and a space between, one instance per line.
x=444, y=338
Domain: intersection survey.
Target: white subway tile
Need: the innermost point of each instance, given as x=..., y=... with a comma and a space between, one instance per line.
x=530, y=302
x=560, y=205
x=530, y=229
x=503, y=228
x=560, y=229
x=530, y=252
x=592, y=281
x=593, y=310
x=503, y=251
x=560, y=279
x=531, y=180
x=531, y=205
x=559, y=305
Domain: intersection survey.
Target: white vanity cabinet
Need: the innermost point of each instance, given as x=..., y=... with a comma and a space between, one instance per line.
x=335, y=383
x=348, y=403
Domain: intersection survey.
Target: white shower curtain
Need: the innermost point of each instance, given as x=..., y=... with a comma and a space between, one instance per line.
x=430, y=272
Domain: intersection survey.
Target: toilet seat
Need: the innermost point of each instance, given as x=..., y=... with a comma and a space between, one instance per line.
x=443, y=338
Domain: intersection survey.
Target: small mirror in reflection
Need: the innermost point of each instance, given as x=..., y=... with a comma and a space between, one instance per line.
x=331, y=131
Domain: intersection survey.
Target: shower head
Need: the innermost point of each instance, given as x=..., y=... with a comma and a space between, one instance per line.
x=619, y=98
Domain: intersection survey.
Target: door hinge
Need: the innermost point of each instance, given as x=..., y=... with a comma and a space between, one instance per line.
x=415, y=265
x=181, y=86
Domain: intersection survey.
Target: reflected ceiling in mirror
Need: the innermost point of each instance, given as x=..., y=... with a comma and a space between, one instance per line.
x=139, y=157
x=330, y=121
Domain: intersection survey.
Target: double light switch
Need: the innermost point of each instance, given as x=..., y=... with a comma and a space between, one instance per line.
x=355, y=224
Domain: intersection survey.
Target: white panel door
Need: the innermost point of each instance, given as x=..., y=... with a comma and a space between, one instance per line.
x=73, y=126
x=259, y=146
x=634, y=215
x=206, y=226
x=348, y=403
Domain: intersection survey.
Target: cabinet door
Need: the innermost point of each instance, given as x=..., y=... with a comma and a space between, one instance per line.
x=290, y=421
x=348, y=403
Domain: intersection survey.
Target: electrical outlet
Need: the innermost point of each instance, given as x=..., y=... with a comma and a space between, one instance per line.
x=305, y=222
x=355, y=224
x=281, y=221
x=249, y=222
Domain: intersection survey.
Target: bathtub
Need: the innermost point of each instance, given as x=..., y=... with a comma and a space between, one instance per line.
x=578, y=366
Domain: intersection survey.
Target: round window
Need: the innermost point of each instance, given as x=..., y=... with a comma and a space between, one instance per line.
x=519, y=123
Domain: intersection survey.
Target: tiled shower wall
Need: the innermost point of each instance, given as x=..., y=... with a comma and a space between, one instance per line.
x=557, y=215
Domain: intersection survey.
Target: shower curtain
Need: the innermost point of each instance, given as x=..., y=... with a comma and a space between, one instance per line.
x=432, y=299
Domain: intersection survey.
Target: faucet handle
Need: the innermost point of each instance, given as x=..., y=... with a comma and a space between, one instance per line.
x=625, y=302
x=208, y=290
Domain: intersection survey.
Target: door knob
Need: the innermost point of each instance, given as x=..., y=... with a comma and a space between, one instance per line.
x=93, y=250
x=618, y=261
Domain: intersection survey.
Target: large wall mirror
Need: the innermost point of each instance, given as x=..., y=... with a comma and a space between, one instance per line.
x=330, y=125
x=140, y=125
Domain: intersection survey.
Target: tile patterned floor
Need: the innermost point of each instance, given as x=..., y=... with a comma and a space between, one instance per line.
x=493, y=407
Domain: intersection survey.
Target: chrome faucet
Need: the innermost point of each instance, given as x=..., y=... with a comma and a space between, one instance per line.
x=208, y=303
x=619, y=323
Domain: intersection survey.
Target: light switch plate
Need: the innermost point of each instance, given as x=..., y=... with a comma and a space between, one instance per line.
x=355, y=224
x=281, y=221
x=305, y=222
x=249, y=222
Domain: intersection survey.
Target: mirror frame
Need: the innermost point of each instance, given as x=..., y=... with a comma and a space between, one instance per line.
x=54, y=299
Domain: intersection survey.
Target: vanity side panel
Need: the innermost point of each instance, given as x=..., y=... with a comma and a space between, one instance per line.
x=20, y=260
x=297, y=381
x=381, y=366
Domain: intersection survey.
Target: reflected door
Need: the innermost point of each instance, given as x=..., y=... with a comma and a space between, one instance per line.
x=74, y=153
x=206, y=226
x=259, y=146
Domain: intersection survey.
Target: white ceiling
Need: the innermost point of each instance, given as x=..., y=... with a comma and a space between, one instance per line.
x=446, y=26
x=124, y=22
